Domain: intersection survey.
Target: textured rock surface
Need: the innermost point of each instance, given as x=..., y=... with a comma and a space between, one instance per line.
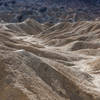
x=49, y=10
x=45, y=62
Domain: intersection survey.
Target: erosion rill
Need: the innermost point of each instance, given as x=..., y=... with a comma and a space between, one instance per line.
x=54, y=62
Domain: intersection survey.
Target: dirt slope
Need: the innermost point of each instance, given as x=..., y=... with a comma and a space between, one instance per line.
x=59, y=62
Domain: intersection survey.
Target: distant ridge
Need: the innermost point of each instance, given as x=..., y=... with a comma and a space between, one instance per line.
x=49, y=10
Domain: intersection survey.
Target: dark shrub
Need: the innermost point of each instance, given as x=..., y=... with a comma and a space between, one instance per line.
x=43, y=9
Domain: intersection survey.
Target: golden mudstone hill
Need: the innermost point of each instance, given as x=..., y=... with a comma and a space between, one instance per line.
x=50, y=62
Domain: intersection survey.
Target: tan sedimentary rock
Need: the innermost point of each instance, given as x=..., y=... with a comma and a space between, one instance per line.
x=59, y=62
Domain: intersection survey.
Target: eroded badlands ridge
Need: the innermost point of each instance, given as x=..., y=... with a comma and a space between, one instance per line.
x=50, y=62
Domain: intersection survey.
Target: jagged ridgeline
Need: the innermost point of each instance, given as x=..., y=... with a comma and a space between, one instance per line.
x=49, y=10
x=54, y=54
x=50, y=62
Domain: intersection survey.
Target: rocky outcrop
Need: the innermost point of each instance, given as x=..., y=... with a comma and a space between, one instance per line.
x=49, y=10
